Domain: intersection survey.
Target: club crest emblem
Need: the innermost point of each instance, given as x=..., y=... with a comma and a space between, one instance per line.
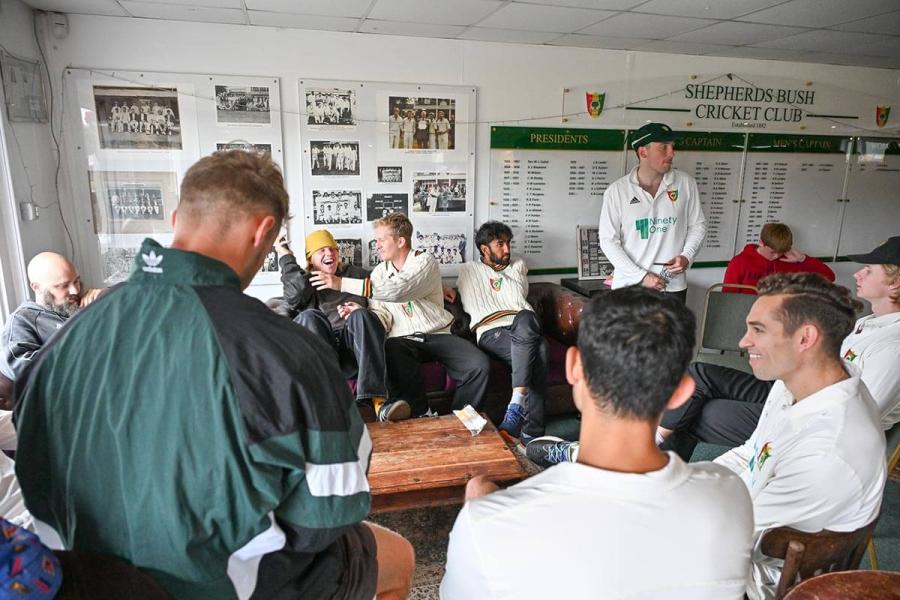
x=408, y=308
x=850, y=355
x=496, y=283
x=882, y=114
x=764, y=453
x=595, y=103
x=672, y=194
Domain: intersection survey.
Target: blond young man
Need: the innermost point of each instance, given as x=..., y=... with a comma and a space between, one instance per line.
x=405, y=291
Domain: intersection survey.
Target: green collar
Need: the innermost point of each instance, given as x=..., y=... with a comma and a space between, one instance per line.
x=155, y=264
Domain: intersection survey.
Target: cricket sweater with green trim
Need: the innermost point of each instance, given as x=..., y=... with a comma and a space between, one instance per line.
x=183, y=426
x=493, y=297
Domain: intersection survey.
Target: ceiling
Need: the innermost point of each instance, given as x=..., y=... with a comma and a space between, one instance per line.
x=843, y=32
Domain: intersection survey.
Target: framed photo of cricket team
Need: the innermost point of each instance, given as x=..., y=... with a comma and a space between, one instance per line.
x=137, y=133
x=371, y=148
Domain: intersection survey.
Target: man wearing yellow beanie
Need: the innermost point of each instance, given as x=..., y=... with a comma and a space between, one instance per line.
x=340, y=318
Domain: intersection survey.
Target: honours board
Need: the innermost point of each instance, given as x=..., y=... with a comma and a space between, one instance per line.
x=837, y=193
x=545, y=182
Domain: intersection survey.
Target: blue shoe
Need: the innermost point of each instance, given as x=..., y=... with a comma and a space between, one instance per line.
x=548, y=450
x=526, y=439
x=513, y=420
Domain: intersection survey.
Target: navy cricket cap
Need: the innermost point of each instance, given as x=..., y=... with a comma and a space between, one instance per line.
x=651, y=132
x=886, y=254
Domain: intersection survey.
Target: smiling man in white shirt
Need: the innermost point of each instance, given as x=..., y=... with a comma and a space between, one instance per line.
x=816, y=458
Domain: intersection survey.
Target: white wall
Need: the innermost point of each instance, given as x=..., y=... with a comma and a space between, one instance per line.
x=515, y=82
x=29, y=148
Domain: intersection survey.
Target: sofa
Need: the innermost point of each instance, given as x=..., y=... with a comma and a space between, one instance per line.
x=559, y=310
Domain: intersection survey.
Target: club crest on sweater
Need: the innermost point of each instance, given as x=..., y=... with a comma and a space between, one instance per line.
x=850, y=355
x=496, y=283
x=408, y=308
x=672, y=194
x=764, y=453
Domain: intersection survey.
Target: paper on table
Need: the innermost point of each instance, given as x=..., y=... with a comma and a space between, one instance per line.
x=471, y=419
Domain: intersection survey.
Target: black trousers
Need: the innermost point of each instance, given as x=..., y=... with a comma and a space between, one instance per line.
x=467, y=365
x=522, y=346
x=359, y=346
x=724, y=409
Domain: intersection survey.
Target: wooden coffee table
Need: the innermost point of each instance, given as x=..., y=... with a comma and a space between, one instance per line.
x=427, y=462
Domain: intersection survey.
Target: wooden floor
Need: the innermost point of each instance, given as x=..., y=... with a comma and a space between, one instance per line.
x=427, y=462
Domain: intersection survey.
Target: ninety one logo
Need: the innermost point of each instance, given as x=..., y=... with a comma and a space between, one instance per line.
x=152, y=261
x=649, y=226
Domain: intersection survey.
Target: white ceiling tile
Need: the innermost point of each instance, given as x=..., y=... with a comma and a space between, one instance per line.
x=888, y=24
x=487, y=34
x=329, y=8
x=532, y=17
x=820, y=13
x=274, y=19
x=705, y=9
x=651, y=27
x=207, y=3
x=598, y=41
x=411, y=29
x=680, y=47
x=440, y=12
x=732, y=33
x=822, y=40
x=173, y=12
x=763, y=53
x=80, y=7
x=599, y=4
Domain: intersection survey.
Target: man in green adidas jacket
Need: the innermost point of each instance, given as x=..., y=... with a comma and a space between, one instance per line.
x=181, y=425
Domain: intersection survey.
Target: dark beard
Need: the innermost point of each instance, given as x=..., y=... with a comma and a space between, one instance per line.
x=68, y=309
x=497, y=261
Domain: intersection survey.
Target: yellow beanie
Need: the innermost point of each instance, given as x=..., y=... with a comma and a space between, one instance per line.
x=321, y=238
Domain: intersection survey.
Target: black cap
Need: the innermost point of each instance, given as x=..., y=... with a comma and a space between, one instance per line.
x=651, y=132
x=886, y=254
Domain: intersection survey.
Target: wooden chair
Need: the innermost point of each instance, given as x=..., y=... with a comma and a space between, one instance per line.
x=809, y=554
x=893, y=458
x=859, y=585
x=723, y=326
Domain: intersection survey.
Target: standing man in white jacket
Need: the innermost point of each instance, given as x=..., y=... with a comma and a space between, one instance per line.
x=651, y=222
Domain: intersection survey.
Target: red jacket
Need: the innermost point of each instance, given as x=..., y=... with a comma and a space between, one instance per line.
x=750, y=266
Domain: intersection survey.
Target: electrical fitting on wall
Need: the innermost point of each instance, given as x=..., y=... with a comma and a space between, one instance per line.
x=29, y=211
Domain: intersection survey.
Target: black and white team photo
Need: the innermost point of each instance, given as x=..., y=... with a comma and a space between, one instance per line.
x=334, y=158
x=242, y=105
x=390, y=174
x=135, y=202
x=446, y=248
x=245, y=146
x=337, y=207
x=336, y=108
x=133, y=118
x=350, y=251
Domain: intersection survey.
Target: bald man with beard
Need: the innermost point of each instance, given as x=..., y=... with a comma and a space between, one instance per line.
x=58, y=296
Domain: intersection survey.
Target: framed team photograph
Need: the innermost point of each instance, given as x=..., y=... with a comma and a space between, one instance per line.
x=331, y=159
x=439, y=192
x=246, y=146
x=118, y=252
x=337, y=207
x=242, y=105
x=270, y=264
x=381, y=205
x=330, y=108
x=390, y=174
x=350, y=251
x=133, y=202
x=421, y=123
x=137, y=118
x=446, y=247
x=374, y=259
